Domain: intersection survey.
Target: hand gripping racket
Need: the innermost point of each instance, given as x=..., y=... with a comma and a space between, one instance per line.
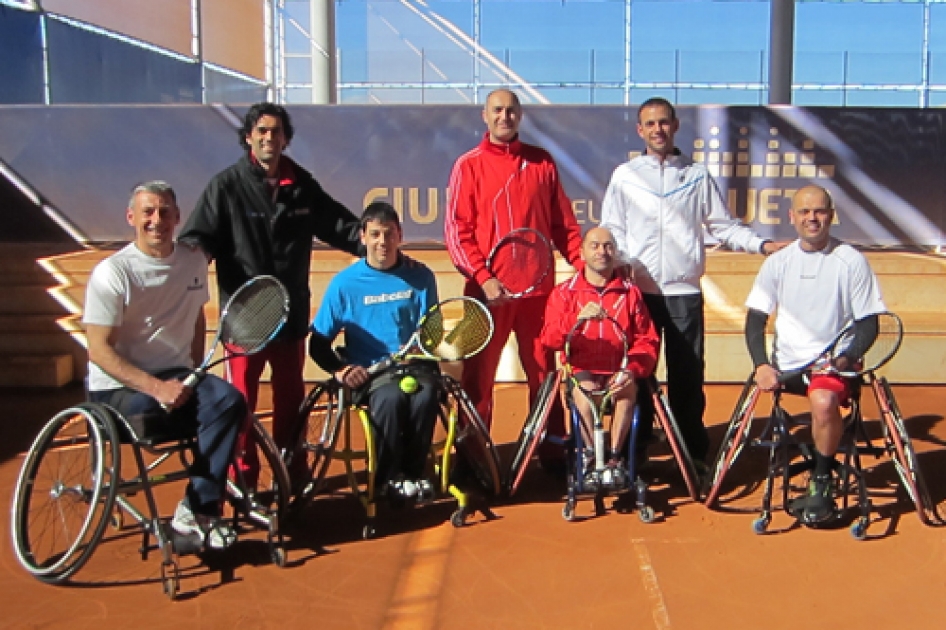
x=521, y=260
x=252, y=317
x=599, y=346
x=880, y=352
x=454, y=329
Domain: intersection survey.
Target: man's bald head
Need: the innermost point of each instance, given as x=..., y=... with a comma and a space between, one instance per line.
x=599, y=251
x=812, y=213
x=502, y=115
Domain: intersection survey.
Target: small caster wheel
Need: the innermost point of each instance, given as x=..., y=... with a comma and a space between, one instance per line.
x=116, y=520
x=568, y=512
x=760, y=525
x=170, y=579
x=278, y=555
x=646, y=514
x=368, y=532
x=859, y=529
x=458, y=518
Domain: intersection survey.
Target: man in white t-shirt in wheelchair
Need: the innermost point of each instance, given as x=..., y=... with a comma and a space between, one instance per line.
x=818, y=285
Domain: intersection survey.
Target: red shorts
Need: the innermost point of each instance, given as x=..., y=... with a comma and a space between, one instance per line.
x=833, y=383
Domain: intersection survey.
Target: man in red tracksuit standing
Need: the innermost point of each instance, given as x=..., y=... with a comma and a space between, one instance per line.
x=501, y=185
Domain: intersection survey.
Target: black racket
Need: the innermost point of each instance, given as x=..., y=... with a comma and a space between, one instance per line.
x=880, y=352
x=521, y=260
x=252, y=317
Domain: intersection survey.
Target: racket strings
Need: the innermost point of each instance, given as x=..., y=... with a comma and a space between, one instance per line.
x=598, y=346
x=521, y=261
x=254, y=315
x=885, y=346
x=459, y=329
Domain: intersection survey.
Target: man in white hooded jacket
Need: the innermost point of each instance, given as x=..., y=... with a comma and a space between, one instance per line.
x=656, y=206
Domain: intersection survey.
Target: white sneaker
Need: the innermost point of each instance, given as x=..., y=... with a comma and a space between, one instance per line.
x=214, y=532
x=425, y=491
x=404, y=488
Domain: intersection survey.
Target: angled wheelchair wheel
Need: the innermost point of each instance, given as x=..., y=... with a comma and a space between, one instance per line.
x=675, y=439
x=737, y=434
x=65, y=493
x=316, y=435
x=268, y=496
x=533, y=430
x=903, y=455
x=473, y=441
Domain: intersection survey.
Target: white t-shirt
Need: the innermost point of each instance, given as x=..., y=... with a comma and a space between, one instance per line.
x=154, y=304
x=817, y=294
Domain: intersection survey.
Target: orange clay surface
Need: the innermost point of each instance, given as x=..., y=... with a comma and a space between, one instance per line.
x=691, y=569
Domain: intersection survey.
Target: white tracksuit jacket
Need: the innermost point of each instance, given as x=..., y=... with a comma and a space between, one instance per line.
x=657, y=212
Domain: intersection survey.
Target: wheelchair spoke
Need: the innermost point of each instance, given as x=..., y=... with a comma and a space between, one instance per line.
x=737, y=434
x=533, y=431
x=903, y=455
x=57, y=518
x=473, y=441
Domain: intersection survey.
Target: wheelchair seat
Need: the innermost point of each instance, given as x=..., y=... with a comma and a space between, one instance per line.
x=324, y=434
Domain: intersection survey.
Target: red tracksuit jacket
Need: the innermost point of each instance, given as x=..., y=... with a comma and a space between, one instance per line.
x=621, y=300
x=495, y=189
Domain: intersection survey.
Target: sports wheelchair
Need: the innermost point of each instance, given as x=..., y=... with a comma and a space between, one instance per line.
x=71, y=486
x=790, y=456
x=463, y=451
x=582, y=481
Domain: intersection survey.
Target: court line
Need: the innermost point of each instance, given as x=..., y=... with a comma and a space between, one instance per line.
x=651, y=586
x=417, y=592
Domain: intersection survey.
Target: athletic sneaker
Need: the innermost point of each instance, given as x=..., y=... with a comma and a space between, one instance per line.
x=615, y=474
x=425, y=491
x=819, y=502
x=403, y=489
x=214, y=532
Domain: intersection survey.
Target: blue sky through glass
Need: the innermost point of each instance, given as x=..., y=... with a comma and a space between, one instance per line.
x=574, y=50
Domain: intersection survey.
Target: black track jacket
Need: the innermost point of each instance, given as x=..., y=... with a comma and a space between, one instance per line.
x=239, y=224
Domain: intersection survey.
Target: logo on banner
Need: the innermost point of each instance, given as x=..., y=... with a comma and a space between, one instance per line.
x=754, y=159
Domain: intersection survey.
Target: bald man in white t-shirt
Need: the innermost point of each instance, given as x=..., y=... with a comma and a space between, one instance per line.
x=818, y=285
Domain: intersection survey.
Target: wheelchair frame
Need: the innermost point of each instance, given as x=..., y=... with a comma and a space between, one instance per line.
x=785, y=449
x=73, y=472
x=533, y=433
x=580, y=482
x=326, y=416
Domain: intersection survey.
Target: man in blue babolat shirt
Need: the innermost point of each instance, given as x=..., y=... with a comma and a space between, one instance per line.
x=378, y=302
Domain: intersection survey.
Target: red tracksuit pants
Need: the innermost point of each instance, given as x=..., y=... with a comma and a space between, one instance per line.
x=286, y=359
x=525, y=317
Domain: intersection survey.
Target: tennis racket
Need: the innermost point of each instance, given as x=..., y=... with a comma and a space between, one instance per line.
x=252, y=317
x=598, y=346
x=880, y=352
x=521, y=260
x=454, y=329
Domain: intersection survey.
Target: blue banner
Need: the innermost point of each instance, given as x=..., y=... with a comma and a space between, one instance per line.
x=884, y=167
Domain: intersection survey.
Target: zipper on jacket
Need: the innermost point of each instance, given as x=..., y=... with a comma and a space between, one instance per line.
x=660, y=228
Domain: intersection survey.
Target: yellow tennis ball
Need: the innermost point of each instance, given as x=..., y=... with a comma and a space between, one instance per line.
x=409, y=384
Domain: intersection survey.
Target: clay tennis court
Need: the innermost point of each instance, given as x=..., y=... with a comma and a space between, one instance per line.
x=693, y=568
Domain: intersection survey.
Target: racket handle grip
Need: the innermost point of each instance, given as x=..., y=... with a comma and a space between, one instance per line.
x=599, y=447
x=189, y=381
x=381, y=365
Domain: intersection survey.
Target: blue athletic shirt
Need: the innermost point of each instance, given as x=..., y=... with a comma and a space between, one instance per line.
x=378, y=310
